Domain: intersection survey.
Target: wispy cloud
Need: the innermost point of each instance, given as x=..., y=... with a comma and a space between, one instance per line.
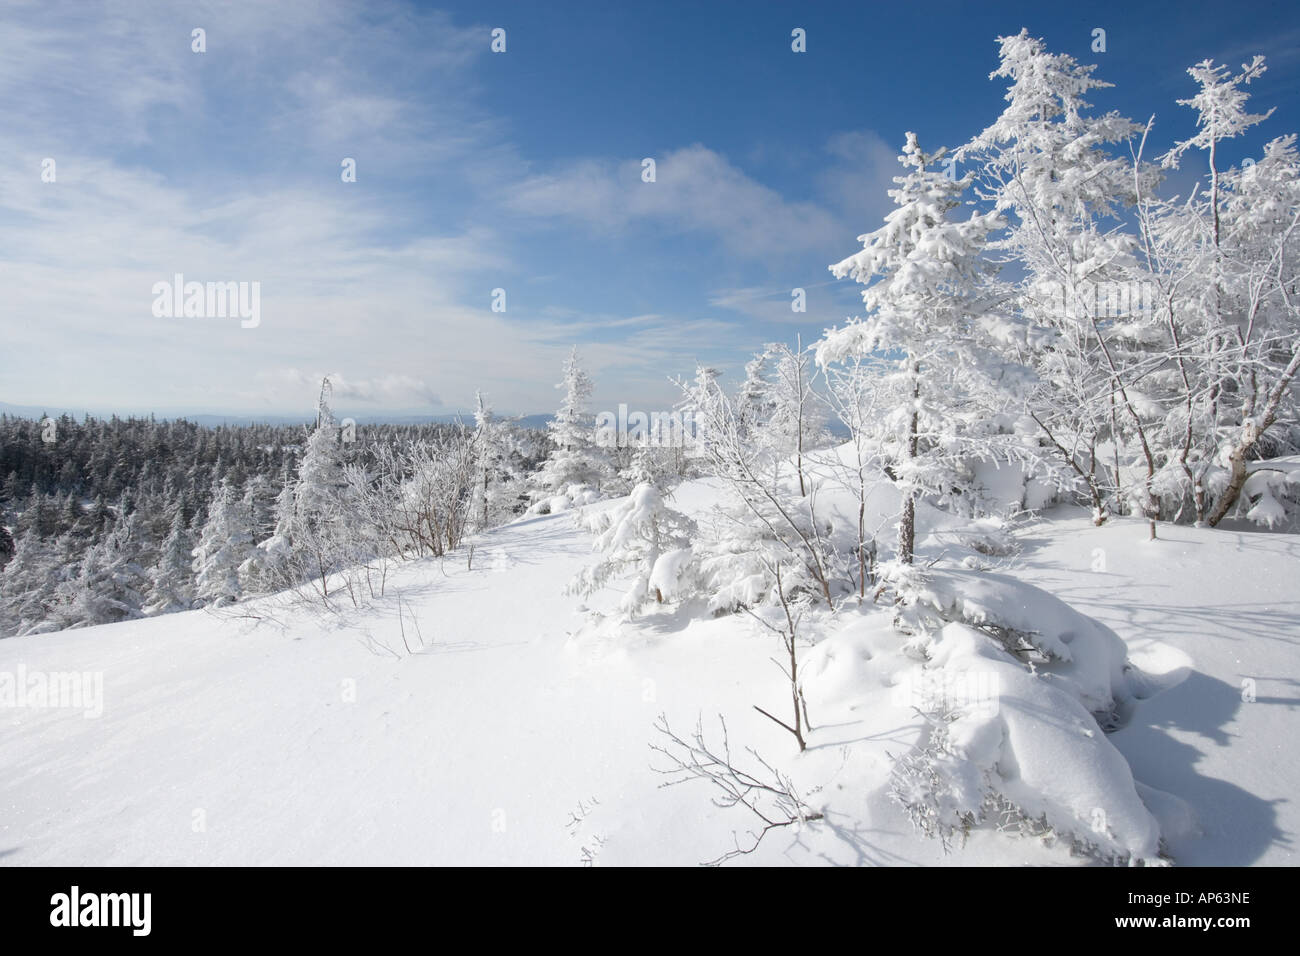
x=695, y=190
x=225, y=166
x=394, y=391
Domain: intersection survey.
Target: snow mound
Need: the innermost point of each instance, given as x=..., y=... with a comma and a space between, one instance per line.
x=1065, y=647
x=1031, y=753
x=973, y=737
x=1018, y=690
x=1272, y=491
x=668, y=572
x=573, y=496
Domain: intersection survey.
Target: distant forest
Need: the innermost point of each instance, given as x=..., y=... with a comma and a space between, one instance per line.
x=124, y=490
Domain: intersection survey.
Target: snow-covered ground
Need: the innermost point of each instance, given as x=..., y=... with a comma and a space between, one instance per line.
x=1203, y=612
x=516, y=731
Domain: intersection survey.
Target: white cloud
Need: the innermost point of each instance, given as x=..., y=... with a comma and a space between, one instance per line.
x=695, y=189
x=857, y=181
x=393, y=390
x=352, y=278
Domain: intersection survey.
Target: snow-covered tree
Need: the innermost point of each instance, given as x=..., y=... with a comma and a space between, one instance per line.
x=575, y=459
x=40, y=517
x=796, y=424
x=754, y=401
x=109, y=584
x=27, y=585
x=320, y=475
x=171, y=581
x=706, y=405
x=923, y=271
x=224, y=545
x=270, y=565
x=308, y=537
x=765, y=520
x=497, y=481
x=1054, y=172
x=644, y=538
x=1261, y=249
x=260, y=496
x=851, y=393
x=435, y=493
x=1239, y=244
x=487, y=453
x=653, y=463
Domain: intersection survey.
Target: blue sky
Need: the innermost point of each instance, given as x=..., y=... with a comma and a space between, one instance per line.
x=479, y=170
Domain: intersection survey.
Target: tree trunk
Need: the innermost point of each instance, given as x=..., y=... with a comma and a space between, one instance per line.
x=1237, y=474
x=862, y=549
x=907, y=530
x=1250, y=435
x=907, y=526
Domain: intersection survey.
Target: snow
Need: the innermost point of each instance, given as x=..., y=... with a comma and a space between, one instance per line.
x=1061, y=768
x=1202, y=611
x=959, y=654
x=1086, y=655
x=667, y=570
x=518, y=730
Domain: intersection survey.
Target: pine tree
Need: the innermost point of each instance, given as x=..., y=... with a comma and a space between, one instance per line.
x=643, y=536
x=495, y=483
x=100, y=515
x=40, y=517
x=702, y=403
x=922, y=272
x=309, y=533
x=109, y=583
x=270, y=564
x=171, y=578
x=575, y=459
x=223, y=546
x=13, y=490
x=260, y=496
x=754, y=402
x=73, y=518
x=1052, y=170
x=27, y=586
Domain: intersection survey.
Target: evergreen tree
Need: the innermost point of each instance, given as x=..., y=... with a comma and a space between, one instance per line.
x=171, y=585
x=1055, y=173
x=642, y=536
x=224, y=545
x=309, y=532
x=109, y=583
x=754, y=403
x=922, y=272
x=27, y=586
x=575, y=459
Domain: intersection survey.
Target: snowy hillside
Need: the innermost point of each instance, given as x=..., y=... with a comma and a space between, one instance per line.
x=981, y=551
x=506, y=727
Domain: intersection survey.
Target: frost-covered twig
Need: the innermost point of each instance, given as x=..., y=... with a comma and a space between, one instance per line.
x=767, y=793
x=789, y=637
